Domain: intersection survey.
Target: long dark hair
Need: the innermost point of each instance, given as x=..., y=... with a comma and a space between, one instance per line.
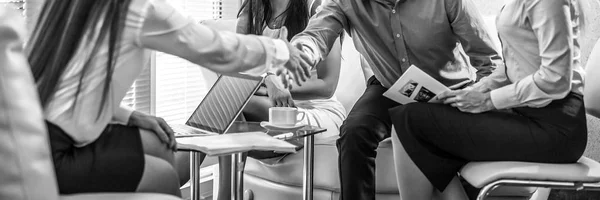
x=259, y=13
x=59, y=33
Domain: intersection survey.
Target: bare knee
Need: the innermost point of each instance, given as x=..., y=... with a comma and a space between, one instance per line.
x=155, y=147
x=159, y=177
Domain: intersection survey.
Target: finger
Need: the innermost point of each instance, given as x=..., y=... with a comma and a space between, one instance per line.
x=304, y=70
x=308, y=61
x=284, y=104
x=160, y=133
x=167, y=129
x=285, y=80
x=291, y=86
x=279, y=72
x=447, y=94
x=165, y=126
x=458, y=105
x=291, y=102
x=450, y=100
x=296, y=78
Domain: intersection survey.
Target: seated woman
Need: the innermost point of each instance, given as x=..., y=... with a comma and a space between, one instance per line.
x=592, y=85
x=529, y=110
x=85, y=54
x=315, y=96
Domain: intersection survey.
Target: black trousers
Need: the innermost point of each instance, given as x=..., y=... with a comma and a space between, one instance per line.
x=441, y=139
x=367, y=124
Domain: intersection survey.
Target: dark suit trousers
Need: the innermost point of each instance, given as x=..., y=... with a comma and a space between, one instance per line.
x=367, y=124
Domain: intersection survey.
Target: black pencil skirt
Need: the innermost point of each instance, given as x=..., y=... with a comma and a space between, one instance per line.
x=440, y=139
x=112, y=163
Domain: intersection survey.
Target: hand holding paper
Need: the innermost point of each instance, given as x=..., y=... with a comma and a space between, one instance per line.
x=415, y=86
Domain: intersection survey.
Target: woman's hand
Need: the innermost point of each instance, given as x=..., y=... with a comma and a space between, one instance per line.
x=279, y=95
x=479, y=87
x=470, y=101
x=155, y=124
x=262, y=91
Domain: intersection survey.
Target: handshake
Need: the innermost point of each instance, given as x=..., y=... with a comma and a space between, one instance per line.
x=298, y=68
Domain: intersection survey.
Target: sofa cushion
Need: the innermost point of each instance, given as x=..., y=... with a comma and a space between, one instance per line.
x=288, y=170
x=26, y=171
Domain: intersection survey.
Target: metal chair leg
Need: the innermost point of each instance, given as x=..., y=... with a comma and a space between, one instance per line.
x=485, y=191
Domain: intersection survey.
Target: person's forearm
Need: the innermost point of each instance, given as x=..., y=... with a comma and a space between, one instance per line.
x=322, y=31
x=312, y=89
x=168, y=31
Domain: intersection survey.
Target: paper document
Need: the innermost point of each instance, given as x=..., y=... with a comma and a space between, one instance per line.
x=225, y=144
x=415, y=86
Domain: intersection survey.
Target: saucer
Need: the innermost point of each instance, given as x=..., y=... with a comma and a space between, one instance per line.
x=269, y=126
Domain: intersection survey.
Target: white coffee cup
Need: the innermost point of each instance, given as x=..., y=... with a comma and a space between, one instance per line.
x=285, y=116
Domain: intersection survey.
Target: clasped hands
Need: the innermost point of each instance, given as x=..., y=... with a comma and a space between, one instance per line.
x=298, y=67
x=470, y=100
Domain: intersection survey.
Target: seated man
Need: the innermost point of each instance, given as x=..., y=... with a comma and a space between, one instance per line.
x=392, y=35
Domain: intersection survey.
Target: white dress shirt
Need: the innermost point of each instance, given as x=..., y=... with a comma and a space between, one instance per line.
x=150, y=25
x=541, y=54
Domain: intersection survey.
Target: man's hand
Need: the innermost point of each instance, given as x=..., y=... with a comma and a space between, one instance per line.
x=279, y=95
x=470, y=101
x=298, y=66
x=155, y=124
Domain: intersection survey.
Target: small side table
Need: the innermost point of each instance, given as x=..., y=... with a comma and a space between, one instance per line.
x=237, y=162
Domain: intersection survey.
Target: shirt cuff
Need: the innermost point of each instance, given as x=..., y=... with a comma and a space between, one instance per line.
x=282, y=53
x=122, y=114
x=504, y=97
x=277, y=54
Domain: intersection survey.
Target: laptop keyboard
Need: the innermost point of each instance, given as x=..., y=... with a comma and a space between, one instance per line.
x=186, y=131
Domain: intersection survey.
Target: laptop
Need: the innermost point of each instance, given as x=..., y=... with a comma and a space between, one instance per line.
x=220, y=107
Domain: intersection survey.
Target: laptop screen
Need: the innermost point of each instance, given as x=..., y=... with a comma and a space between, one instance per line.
x=223, y=103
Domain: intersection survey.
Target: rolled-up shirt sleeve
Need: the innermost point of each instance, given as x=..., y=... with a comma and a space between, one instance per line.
x=166, y=30
x=322, y=31
x=475, y=39
x=551, y=23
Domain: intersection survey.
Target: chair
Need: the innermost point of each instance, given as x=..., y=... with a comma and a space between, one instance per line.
x=583, y=175
x=26, y=169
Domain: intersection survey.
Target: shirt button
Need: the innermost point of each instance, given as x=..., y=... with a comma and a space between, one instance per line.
x=403, y=59
x=398, y=35
x=394, y=11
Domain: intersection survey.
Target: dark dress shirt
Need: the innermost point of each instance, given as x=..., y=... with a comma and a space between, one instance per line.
x=393, y=35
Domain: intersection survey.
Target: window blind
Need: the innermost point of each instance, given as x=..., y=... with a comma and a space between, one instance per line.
x=18, y=4
x=179, y=84
x=139, y=96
